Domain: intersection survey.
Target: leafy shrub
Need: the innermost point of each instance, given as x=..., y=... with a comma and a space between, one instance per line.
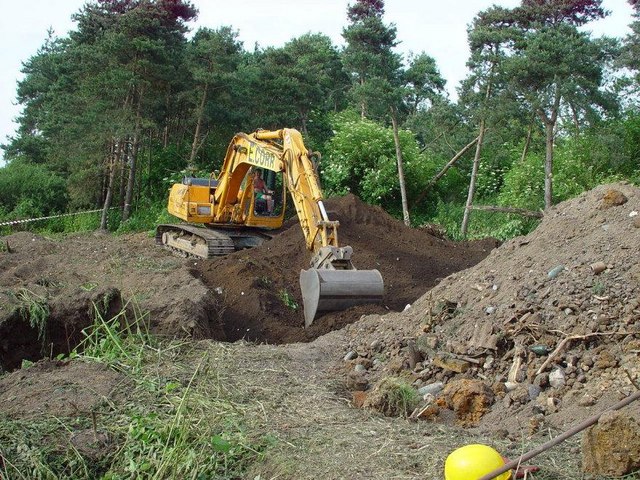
x=28, y=189
x=524, y=184
x=361, y=159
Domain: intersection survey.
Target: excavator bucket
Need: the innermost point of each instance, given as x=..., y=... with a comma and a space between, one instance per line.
x=325, y=290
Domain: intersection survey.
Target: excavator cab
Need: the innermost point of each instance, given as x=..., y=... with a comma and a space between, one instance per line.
x=269, y=198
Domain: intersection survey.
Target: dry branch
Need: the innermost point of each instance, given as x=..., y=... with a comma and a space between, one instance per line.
x=444, y=170
x=566, y=340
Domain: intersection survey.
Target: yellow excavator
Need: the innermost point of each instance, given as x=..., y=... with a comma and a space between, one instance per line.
x=248, y=197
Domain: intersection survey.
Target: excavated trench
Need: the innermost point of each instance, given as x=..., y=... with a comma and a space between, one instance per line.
x=36, y=329
x=249, y=295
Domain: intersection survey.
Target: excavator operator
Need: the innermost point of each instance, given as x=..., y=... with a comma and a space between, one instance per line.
x=262, y=192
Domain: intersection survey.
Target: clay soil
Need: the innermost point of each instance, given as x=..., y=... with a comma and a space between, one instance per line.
x=470, y=313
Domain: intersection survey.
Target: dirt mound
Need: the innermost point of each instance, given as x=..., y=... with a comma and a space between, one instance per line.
x=550, y=322
x=63, y=389
x=50, y=289
x=258, y=288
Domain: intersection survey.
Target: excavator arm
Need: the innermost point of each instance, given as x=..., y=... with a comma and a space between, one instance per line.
x=332, y=282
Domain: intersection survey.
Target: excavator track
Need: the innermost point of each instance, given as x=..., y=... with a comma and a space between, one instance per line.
x=190, y=241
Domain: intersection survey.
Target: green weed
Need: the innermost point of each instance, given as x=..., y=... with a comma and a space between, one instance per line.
x=89, y=286
x=598, y=288
x=288, y=299
x=34, y=309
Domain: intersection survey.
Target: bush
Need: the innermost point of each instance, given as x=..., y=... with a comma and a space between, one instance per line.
x=29, y=189
x=361, y=159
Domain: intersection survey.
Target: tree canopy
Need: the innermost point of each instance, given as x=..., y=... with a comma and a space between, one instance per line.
x=131, y=98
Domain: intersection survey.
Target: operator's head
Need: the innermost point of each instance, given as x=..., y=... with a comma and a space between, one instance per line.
x=257, y=173
x=472, y=462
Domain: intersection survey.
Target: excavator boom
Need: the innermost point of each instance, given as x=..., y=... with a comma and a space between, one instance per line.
x=236, y=208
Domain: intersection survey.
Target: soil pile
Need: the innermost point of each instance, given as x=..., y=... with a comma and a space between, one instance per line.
x=51, y=289
x=259, y=292
x=549, y=322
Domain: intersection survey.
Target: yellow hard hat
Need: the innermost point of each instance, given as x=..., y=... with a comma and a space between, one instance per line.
x=472, y=462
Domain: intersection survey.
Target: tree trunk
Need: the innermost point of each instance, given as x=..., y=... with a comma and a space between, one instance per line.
x=113, y=162
x=363, y=108
x=476, y=160
x=527, y=142
x=303, y=121
x=122, y=163
x=196, y=135
x=549, y=127
x=548, y=165
x=403, y=188
x=131, y=180
x=472, y=182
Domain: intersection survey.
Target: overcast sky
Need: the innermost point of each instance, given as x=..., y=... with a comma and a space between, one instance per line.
x=436, y=27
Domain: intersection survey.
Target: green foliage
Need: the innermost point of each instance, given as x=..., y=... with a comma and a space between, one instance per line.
x=361, y=159
x=524, y=184
x=369, y=59
x=397, y=397
x=28, y=190
x=129, y=84
x=287, y=299
x=146, y=217
x=579, y=166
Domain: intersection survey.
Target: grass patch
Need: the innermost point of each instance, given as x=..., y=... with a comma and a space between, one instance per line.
x=175, y=419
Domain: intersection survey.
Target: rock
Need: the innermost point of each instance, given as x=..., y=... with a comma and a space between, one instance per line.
x=488, y=363
x=557, y=378
x=555, y=271
x=534, y=391
x=539, y=350
x=360, y=368
x=428, y=412
x=350, y=356
x=469, y=399
x=552, y=404
x=587, y=360
x=586, y=401
x=376, y=346
x=510, y=386
x=606, y=359
x=358, y=398
x=541, y=380
x=426, y=344
x=356, y=381
x=612, y=446
x=612, y=198
x=520, y=395
x=447, y=362
x=431, y=389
